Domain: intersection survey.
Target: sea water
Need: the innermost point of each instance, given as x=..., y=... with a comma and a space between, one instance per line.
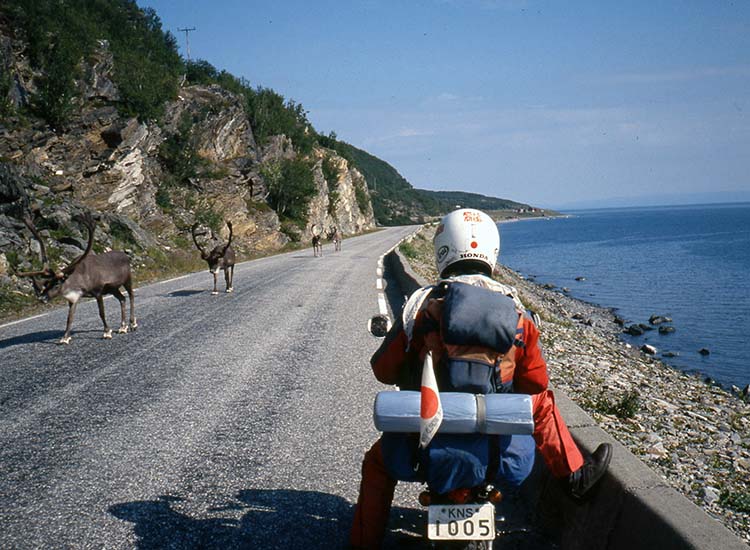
x=691, y=263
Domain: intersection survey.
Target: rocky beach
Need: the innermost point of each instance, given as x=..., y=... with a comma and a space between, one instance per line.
x=693, y=433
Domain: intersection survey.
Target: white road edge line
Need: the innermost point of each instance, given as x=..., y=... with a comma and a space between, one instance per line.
x=381, y=304
x=25, y=319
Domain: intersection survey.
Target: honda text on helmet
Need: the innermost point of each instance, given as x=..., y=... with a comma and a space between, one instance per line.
x=468, y=236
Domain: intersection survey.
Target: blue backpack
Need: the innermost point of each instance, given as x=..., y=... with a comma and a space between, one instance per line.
x=473, y=333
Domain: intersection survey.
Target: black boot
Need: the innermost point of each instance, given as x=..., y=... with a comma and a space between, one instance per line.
x=584, y=478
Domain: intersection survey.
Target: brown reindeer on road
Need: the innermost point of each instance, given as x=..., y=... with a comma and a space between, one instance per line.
x=335, y=238
x=88, y=275
x=220, y=257
x=317, y=240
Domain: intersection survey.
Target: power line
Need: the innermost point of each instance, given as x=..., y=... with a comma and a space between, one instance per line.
x=186, y=30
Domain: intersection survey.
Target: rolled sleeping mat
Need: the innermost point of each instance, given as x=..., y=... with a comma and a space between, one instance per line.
x=463, y=413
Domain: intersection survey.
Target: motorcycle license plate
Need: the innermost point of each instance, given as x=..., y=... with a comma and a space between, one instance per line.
x=461, y=521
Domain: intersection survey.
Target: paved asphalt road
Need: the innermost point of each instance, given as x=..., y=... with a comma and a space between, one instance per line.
x=230, y=421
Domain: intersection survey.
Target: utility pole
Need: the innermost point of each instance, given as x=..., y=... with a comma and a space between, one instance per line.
x=186, y=30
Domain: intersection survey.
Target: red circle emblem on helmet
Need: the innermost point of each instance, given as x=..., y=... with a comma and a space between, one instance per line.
x=474, y=244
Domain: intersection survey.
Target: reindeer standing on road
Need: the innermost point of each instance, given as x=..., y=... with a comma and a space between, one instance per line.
x=220, y=257
x=335, y=238
x=88, y=275
x=317, y=240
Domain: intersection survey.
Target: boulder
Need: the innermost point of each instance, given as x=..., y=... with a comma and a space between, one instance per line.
x=659, y=319
x=670, y=354
x=11, y=185
x=634, y=330
x=129, y=232
x=580, y=278
x=648, y=349
x=68, y=253
x=666, y=329
x=704, y=351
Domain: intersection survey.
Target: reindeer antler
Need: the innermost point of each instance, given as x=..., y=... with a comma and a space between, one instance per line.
x=195, y=240
x=229, y=225
x=45, y=269
x=90, y=224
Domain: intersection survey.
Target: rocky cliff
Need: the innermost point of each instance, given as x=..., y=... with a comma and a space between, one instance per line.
x=149, y=181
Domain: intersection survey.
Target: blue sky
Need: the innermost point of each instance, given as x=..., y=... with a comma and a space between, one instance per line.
x=552, y=103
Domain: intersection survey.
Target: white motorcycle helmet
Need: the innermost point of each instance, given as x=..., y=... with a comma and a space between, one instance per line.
x=468, y=236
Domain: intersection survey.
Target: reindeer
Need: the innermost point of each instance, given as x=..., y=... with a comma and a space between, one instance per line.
x=333, y=236
x=317, y=241
x=88, y=275
x=220, y=257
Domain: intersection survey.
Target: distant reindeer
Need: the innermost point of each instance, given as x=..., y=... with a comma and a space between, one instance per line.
x=221, y=257
x=333, y=236
x=317, y=241
x=89, y=275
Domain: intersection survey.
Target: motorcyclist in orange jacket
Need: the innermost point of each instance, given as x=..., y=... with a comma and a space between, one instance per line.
x=467, y=244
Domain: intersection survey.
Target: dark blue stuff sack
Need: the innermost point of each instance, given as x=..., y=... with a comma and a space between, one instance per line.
x=454, y=461
x=476, y=316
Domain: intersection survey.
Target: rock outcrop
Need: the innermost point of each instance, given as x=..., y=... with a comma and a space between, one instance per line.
x=146, y=200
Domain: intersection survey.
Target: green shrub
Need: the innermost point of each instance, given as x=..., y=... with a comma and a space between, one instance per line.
x=291, y=185
x=163, y=199
x=330, y=171
x=13, y=259
x=6, y=106
x=342, y=149
x=60, y=34
x=363, y=200
x=254, y=206
x=13, y=301
x=625, y=407
x=270, y=114
x=291, y=230
x=331, y=175
x=178, y=154
x=200, y=71
x=408, y=250
x=122, y=234
x=56, y=86
x=209, y=217
x=737, y=501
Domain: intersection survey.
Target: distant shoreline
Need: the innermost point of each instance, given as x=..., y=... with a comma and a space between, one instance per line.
x=509, y=217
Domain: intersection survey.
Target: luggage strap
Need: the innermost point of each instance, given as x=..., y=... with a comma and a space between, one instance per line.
x=494, y=459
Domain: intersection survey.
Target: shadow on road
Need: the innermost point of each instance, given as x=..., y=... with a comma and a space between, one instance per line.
x=267, y=519
x=184, y=293
x=51, y=337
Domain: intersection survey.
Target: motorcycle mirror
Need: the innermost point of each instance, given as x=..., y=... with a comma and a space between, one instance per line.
x=379, y=326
